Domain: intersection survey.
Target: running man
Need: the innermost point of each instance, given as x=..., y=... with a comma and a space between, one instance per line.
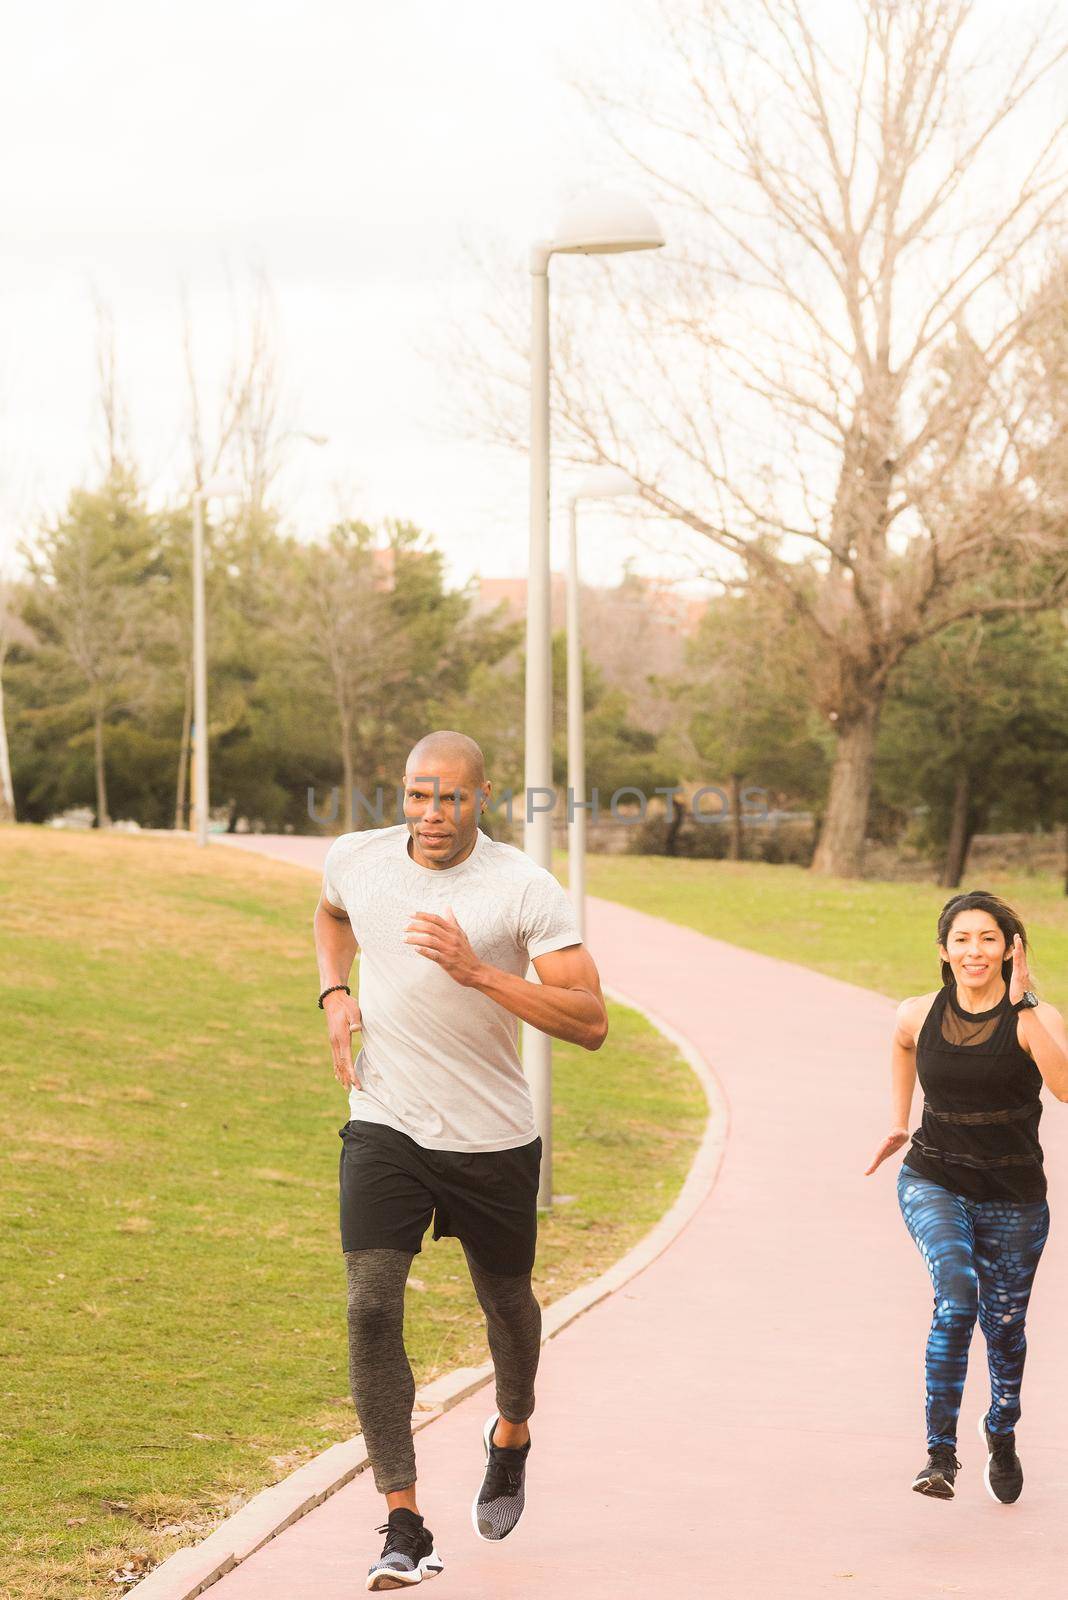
x=441, y=1121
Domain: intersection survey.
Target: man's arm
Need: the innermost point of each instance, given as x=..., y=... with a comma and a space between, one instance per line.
x=566, y=1002
x=335, y=951
x=335, y=943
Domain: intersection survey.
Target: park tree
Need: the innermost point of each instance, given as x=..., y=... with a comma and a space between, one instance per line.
x=245, y=437
x=621, y=749
x=242, y=649
x=345, y=625
x=386, y=648
x=832, y=356
x=633, y=632
x=975, y=730
x=739, y=715
x=13, y=631
x=173, y=627
x=86, y=682
x=93, y=575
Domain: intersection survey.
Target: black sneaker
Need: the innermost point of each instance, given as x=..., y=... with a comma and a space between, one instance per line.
x=1003, y=1474
x=498, y=1505
x=939, y=1475
x=408, y=1555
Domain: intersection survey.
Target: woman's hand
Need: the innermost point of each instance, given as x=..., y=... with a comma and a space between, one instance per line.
x=343, y=1020
x=1020, y=981
x=892, y=1142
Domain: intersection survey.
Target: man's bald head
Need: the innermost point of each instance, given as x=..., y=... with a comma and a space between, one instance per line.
x=445, y=791
x=447, y=748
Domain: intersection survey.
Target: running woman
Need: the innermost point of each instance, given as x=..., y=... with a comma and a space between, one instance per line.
x=441, y=1121
x=972, y=1188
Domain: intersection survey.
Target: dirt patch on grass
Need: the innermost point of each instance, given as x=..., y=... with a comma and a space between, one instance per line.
x=273, y=1175
x=65, y=1149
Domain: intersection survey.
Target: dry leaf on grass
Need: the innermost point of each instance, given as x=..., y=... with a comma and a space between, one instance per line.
x=133, y=1569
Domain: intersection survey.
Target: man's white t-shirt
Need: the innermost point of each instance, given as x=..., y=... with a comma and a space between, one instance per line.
x=439, y=1061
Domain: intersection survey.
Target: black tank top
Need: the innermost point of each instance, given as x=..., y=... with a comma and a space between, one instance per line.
x=979, y=1133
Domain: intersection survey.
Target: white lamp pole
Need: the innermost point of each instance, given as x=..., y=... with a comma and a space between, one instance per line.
x=602, y=483
x=218, y=488
x=576, y=733
x=596, y=223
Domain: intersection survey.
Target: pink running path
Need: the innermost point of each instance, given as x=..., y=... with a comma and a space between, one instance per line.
x=744, y=1418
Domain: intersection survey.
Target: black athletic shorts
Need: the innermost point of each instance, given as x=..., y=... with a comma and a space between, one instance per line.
x=390, y=1186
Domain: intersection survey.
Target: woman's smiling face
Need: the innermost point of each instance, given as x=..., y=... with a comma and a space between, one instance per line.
x=975, y=948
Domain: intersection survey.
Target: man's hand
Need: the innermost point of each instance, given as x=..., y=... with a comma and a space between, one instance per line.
x=343, y=1020
x=442, y=939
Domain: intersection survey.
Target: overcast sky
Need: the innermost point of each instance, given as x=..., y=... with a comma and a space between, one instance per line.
x=344, y=148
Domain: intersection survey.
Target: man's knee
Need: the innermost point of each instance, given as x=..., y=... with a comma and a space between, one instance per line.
x=510, y=1305
x=371, y=1318
x=375, y=1293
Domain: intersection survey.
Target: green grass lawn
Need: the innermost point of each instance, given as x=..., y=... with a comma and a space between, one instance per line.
x=879, y=935
x=174, y=1328
x=174, y=1331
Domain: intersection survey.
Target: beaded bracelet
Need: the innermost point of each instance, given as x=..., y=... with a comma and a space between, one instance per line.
x=332, y=990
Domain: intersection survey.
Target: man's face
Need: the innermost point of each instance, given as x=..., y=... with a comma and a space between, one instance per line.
x=442, y=805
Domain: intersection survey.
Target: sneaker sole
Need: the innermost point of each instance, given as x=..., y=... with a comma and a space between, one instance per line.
x=488, y=1538
x=986, y=1472
x=429, y=1567
x=935, y=1488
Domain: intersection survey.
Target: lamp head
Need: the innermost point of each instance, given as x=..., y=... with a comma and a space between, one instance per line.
x=601, y=222
x=222, y=488
x=605, y=483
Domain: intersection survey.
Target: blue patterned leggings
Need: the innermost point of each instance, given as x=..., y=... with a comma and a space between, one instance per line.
x=982, y=1256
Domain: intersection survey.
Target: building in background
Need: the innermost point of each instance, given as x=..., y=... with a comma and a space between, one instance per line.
x=635, y=632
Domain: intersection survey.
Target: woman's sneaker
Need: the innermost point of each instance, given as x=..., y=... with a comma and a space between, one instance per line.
x=939, y=1475
x=1003, y=1474
x=408, y=1555
x=499, y=1503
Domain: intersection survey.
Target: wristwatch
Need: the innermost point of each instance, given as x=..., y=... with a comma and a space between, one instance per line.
x=1026, y=1001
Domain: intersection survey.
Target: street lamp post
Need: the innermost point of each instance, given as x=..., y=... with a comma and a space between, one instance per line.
x=602, y=483
x=596, y=223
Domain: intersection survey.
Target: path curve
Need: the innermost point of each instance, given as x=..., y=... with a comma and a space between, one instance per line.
x=742, y=1419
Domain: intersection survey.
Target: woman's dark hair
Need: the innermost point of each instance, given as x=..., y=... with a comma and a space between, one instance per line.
x=981, y=900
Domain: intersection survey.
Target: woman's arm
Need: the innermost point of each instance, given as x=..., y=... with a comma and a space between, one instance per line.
x=1039, y=1029
x=902, y=1082
x=1042, y=1033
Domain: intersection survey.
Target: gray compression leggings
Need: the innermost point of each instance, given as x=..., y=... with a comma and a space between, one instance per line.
x=383, y=1388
